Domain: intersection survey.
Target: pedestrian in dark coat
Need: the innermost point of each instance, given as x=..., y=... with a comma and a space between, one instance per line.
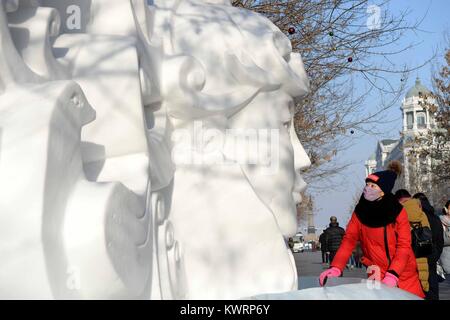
x=438, y=245
x=334, y=235
x=323, y=247
x=381, y=224
x=358, y=255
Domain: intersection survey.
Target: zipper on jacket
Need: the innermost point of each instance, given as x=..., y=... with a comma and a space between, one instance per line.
x=386, y=246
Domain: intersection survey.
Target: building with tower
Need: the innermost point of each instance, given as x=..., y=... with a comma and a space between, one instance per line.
x=311, y=229
x=417, y=119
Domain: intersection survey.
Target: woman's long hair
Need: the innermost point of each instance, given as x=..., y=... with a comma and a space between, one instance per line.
x=426, y=205
x=447, y=204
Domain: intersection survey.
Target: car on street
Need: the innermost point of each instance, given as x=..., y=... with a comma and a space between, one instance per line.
x=297, y=243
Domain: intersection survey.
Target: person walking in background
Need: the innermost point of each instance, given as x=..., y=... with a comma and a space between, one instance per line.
x=416, y=217
x=438, y=245
x=445, y=220
x=358, y=255
x=334, y=235
x=352, y=262
x=446, y=209
x=323, y=247
x=381, y=224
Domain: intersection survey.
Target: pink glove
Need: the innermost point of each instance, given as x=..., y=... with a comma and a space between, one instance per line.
x=390, y=280
x=332, y=272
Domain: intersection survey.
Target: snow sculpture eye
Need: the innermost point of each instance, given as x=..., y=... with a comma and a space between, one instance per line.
x=76, y=101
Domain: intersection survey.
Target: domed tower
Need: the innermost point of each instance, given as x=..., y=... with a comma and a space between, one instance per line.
x=417, y=119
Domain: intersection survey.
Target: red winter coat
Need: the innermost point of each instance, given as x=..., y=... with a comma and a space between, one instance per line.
x=403, y=261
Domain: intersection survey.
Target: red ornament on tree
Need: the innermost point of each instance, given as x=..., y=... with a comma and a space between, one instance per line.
x=291, y=30
x=350, y=59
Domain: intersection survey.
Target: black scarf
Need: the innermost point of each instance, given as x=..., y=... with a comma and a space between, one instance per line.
x=378, y=213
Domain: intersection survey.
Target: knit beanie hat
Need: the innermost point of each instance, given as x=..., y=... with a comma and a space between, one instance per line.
x=386, y=179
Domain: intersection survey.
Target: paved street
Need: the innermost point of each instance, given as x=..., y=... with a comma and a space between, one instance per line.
x=309, y=264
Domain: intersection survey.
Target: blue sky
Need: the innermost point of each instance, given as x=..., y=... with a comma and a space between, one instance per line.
x=338, y=202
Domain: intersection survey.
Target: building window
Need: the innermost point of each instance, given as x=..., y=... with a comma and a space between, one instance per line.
x=409, y=120
x=421, y=120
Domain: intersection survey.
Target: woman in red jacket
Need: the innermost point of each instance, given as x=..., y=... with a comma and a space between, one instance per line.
x=381, y=224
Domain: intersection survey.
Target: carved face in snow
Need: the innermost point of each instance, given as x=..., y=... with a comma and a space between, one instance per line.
x=244, y=71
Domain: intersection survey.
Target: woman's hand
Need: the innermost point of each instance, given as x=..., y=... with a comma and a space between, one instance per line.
x=330, y=273
x=390, y=280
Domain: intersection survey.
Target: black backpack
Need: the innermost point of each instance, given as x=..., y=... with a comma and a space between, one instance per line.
x=421, y=240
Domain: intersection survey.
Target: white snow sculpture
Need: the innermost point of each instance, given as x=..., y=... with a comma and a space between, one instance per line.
x=96, y=99
x=79, y=216
x=65, y=234
x=230, y=213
